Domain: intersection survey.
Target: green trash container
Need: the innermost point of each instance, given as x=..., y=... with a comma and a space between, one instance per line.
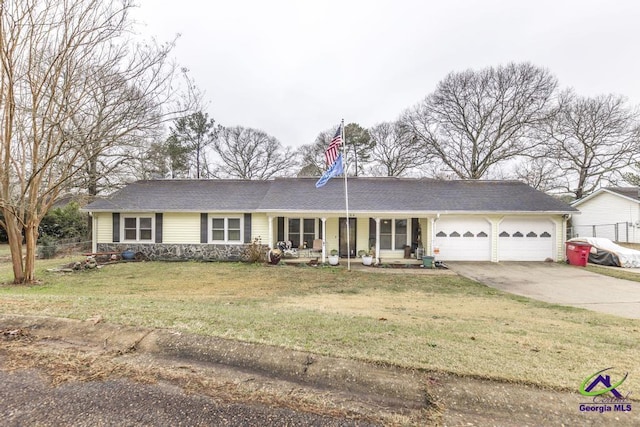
x=427, y=261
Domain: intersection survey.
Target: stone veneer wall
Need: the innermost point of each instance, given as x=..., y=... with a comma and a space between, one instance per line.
x=164, y=251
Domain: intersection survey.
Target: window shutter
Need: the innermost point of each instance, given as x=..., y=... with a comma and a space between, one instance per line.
x=158, y=227
x=280, y=231
x=116, y=227
x=372, y=233
x=320, y=229
x=415, y=225
x=247, y=228
x=204, y=228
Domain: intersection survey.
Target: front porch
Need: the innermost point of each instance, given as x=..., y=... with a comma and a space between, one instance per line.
x=388, y=240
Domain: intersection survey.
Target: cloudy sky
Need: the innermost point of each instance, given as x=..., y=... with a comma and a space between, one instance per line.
x=295, y=68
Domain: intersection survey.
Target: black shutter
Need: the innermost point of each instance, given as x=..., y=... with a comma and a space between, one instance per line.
x=247, y=228
x=320, y=229
x=280, y=230
x=415, y=225
x=116, y=227
x=158, y=228
x=372, y=233
x=204, y=228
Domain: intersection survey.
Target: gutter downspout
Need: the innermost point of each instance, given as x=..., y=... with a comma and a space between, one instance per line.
x=433, y=234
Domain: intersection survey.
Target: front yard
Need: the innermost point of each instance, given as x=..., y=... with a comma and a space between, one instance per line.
x=433, y=322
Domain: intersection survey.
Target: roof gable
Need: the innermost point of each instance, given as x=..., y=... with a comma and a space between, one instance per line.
x=630, y=193
x=299, y=194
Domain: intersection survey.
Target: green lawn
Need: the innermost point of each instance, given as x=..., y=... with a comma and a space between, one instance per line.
x=444, y=323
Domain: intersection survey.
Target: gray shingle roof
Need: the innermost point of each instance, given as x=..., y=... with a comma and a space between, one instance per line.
x=300, y=194
x=630, y=192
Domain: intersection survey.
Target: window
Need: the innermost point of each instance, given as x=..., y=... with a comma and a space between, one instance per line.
x=226, y=230
x=309, y=231
x=294, y=232
x=386, y=233
x=300, y=230
x=401, y=233
x=138, y=228
x=393, y=233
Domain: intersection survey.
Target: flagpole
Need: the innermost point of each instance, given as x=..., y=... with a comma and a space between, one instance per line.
x=346, y=196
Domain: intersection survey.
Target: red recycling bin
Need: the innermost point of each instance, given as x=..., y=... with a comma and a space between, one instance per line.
x=578, y=253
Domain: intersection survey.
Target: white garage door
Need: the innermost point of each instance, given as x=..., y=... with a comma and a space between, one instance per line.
x=525, y=239
x=463, y=239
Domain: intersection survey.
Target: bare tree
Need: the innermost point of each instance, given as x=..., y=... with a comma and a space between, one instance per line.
x=129, y=96
x=358, y=145
x=591, y=140
x=540, y=173
x=312, y=155
x=248, y=153
x=395, y=152
x=57, y=60
x=476, y=120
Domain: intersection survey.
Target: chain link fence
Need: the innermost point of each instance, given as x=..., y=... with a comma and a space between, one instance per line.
x=624, y=232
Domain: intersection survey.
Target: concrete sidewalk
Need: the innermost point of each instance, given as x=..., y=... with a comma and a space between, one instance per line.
x=557, y=283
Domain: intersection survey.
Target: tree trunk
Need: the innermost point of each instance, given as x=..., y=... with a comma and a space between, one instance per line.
x=14, y=234
x=31, y=239
x=92, y=190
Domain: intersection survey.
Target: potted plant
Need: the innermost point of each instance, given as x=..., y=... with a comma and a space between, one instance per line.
x=333, y=257
x=366, y=256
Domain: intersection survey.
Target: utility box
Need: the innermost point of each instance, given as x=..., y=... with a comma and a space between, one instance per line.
x=427, y=261
x=578, y=253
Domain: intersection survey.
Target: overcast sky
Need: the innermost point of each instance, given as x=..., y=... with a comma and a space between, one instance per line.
x=295, y=68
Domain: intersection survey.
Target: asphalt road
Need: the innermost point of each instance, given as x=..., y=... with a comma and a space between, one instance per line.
x=27, y=400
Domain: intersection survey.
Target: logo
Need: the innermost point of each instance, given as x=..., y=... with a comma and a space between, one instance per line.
x=605, y=393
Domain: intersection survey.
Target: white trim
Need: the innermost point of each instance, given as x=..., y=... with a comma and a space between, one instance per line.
x=301, y=233
x=137, y=216
x=226, y=219
x=393, y=232
x=600, y=191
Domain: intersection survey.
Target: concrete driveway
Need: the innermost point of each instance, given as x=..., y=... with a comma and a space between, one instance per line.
x=557, y=283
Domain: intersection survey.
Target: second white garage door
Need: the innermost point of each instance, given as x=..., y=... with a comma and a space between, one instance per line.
x=525, y=239
x=462, y=239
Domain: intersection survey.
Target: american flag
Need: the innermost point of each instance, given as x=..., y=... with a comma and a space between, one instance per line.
x=334, y=147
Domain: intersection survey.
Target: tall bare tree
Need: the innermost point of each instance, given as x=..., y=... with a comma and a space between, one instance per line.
x=395, y=152
x=476, y=120
x=312, y=155
x=59, y=61
x=248, y=153
x=592, y=140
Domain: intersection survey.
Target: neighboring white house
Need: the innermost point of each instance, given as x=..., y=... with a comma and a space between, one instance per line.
x=612, y=212
x=472, y=220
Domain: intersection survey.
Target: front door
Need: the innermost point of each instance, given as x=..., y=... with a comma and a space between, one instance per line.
x=343, y=237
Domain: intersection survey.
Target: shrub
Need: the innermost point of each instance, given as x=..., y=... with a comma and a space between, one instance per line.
x=65, y=222
x=255, y=251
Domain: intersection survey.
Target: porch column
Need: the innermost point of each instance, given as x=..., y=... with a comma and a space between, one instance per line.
x=94, y=232
x=377, y=220
x=270, y=239
x=324, y=239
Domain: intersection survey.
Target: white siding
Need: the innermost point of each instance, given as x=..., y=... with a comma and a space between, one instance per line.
x=604, y=210
x=180, y=227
